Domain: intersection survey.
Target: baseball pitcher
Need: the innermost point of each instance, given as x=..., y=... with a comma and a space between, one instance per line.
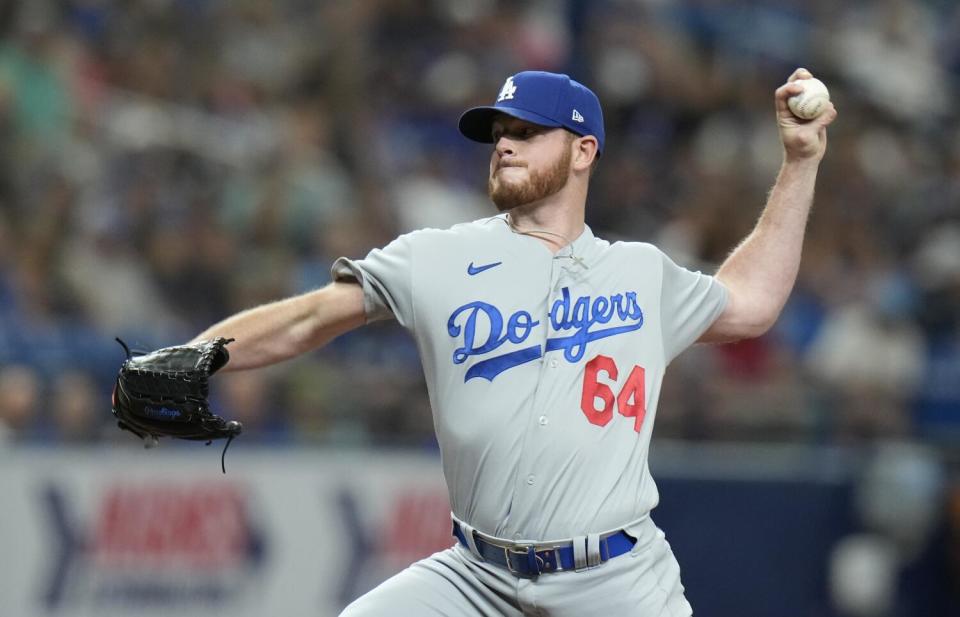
x=544, y=348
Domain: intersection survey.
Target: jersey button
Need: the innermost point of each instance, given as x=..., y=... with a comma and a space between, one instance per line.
x=554, y=363
x=543, y=420
x=530, y=479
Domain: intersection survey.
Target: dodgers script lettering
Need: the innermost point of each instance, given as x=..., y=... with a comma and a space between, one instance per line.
x=482, y=329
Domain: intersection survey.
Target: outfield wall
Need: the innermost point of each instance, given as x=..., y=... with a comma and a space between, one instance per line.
x=163, y=532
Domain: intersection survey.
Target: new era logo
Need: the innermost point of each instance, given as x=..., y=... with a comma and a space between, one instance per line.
x=576, y=116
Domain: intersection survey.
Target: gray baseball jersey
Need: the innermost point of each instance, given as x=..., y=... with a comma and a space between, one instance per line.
x=543, y=369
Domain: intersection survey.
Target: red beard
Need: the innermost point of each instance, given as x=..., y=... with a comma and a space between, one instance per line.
x=509, y=195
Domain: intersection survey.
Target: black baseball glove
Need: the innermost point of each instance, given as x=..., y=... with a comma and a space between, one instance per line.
x=164, y=394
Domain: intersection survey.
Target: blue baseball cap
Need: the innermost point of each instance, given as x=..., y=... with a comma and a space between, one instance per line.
x=547, y=99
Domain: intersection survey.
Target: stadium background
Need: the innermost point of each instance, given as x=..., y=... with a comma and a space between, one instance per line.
x=164, y=163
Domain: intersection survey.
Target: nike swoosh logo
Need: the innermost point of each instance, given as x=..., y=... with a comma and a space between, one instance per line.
x=473, y=270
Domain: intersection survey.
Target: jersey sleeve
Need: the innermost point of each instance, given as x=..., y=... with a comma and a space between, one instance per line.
x=689, y=304
x=386, y=276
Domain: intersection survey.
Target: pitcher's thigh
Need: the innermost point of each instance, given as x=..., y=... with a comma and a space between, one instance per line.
x=442, y=585
x=639, y=584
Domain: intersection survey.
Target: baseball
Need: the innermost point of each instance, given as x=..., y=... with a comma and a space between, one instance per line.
x=812, y=101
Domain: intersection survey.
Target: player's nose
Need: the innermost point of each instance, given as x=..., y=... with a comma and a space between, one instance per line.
x=505, y=147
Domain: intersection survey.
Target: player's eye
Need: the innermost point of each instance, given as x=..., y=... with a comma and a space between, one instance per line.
x=520, y=133
x=528, y=132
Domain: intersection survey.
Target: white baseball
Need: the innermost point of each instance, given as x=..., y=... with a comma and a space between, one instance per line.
x=812, y=101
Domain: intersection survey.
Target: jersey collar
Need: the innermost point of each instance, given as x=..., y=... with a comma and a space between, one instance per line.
x=581, y=246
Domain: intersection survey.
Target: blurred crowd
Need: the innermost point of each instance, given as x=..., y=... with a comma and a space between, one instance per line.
x=165, y=163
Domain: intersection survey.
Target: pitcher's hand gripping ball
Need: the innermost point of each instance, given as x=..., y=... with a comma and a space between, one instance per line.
x=812, y=101
x=164, y=393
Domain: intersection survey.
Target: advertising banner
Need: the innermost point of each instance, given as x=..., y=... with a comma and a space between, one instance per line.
x=165, y=533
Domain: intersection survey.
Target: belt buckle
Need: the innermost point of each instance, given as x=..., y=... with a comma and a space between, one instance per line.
x=528, y=551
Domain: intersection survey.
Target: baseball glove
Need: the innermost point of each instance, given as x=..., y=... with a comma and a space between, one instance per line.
x=164, y=394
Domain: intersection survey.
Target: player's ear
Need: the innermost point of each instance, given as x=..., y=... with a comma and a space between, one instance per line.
x=585, y=152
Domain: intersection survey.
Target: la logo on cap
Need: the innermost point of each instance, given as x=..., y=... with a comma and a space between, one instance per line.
x=506, y=92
